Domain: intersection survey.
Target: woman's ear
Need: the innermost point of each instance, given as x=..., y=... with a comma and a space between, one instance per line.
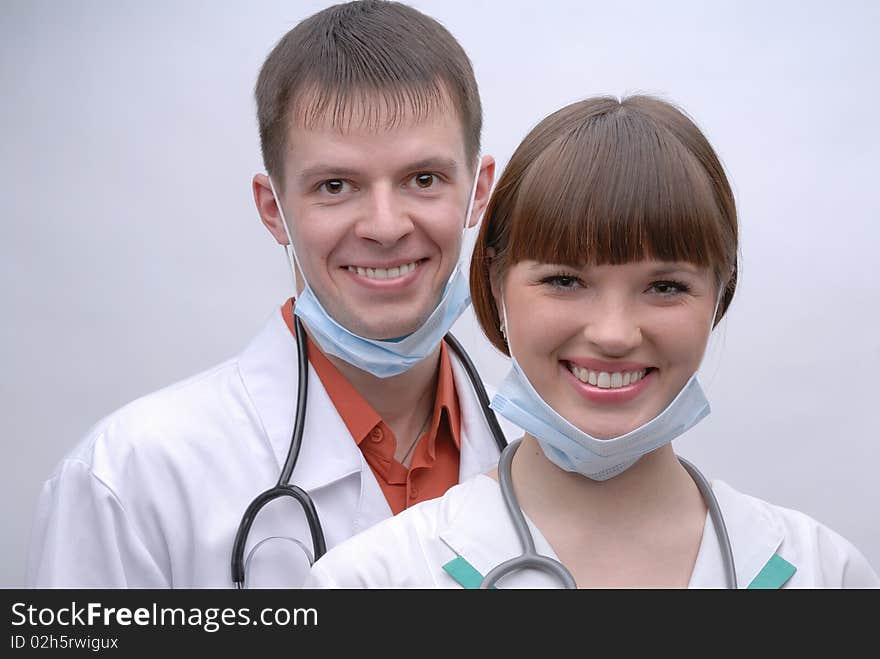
x=494, y=281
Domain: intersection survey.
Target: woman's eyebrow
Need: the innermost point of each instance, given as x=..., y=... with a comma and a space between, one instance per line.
x=537, y=265
x=675, y=268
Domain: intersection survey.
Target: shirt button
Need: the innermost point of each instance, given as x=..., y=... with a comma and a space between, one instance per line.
x=376, y=434
x=413, y=493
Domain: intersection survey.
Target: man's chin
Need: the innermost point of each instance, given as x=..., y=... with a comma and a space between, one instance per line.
x=382, y=323
x=390, y=329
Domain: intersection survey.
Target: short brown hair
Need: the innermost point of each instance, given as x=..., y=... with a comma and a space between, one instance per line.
x=607, y=181
x=353, y=55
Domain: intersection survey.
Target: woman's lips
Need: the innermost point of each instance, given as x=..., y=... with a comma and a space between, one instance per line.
x=619, y=386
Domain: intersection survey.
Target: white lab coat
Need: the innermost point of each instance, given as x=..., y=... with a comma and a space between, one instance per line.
x=153, y=495
x=470, y=521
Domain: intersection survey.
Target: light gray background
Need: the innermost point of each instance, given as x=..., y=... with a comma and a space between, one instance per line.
x=132, y=255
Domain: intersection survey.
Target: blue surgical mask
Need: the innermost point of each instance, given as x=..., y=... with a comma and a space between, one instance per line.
x=382, y=357
x=570, y=448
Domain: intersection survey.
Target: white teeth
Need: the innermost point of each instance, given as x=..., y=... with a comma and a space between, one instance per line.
x=383, y=273
x=605, y=380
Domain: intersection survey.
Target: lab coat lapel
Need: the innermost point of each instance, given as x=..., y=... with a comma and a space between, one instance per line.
x=479, y=452
x=755, y=535
x=269, y=372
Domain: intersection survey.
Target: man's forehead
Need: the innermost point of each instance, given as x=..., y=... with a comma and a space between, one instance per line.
x=372, y=111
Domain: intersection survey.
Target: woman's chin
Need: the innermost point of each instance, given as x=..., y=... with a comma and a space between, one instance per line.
x=605, y=431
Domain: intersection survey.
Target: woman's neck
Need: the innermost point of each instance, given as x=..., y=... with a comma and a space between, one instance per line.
x=642, y=528
x=654, y=484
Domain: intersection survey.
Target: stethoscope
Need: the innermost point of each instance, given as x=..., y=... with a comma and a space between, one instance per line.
x=284, y=488
x=531, y=559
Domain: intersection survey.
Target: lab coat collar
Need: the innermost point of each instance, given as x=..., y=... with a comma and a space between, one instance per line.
x=755, y=531
x=479, y=531
x=268, y=367
x=755, y=535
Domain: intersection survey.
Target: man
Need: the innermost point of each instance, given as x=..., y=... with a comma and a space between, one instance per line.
x=370, y=123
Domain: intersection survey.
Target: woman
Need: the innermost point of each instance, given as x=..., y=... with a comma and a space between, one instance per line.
x=607, y=255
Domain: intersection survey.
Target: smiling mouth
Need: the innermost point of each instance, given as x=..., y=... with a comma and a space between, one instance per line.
x=385, y=273
x=607, y=380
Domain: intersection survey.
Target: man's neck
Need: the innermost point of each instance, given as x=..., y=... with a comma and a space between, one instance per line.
x=399, y=396
x=404, y=402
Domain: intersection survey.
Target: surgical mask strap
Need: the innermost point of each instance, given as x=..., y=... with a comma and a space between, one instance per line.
x=715, y=312
x=292, y=259
x=470, y=206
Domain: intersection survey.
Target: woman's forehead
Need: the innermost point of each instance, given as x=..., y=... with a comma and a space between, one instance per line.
x=654, y=266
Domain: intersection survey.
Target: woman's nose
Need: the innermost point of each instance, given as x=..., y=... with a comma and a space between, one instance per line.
x=613, y=329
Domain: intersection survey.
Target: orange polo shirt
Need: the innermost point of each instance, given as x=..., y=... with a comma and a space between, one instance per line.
x=435, y=459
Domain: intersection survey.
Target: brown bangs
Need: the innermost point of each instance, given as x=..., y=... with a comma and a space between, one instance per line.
x=616, y=189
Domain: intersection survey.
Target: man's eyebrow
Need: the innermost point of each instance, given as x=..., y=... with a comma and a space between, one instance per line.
x=327, y=171
x=330, y=171
x=444, y=164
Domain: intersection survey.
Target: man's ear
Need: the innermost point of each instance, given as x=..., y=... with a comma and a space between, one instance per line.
x=268, y=208
x=484, y=188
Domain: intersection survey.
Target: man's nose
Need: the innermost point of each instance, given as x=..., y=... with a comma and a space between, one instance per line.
x=384, y=218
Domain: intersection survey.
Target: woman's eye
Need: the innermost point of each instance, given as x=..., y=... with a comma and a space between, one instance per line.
x=561, y=281
x=424, y=180
x=669, y=288
x=333, y=186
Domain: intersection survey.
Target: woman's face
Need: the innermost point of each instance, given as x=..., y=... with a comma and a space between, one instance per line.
x=608, y=347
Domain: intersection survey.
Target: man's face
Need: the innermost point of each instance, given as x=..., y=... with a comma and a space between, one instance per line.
x=377, y=216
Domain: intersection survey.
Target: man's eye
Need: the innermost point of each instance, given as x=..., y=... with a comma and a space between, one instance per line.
x=333, y=186
x=424, y=180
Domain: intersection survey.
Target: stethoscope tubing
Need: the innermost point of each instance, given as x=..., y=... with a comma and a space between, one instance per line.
x=283, y=486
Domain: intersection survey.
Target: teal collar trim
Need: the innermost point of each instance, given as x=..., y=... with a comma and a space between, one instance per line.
x=464, y=573
x=774, y=574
